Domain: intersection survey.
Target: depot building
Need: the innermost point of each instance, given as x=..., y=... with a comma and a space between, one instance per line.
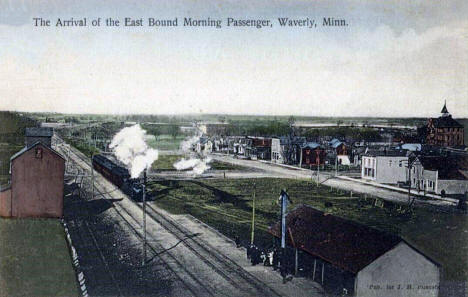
x=352, y=259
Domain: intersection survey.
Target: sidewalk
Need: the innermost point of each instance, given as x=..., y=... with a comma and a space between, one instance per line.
x=393, y=188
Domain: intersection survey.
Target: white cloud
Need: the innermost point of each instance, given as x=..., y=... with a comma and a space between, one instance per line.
x=357, y=72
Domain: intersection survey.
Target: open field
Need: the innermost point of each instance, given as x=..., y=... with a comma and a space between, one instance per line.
x=227, y=204
x=34, y=259
x=166, y=142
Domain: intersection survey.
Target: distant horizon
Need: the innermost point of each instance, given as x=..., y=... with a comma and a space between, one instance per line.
x=224, y=114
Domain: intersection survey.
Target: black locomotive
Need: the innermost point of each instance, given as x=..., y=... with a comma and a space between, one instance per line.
x=119, y=176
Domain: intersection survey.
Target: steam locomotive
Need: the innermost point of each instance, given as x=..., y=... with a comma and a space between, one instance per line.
x=119, y=176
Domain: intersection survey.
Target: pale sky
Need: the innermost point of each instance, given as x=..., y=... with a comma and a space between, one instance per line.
x=396, y=58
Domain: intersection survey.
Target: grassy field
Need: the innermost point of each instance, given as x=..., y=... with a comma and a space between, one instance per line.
x=227, y=204
x=166, y=142
x=34, y=259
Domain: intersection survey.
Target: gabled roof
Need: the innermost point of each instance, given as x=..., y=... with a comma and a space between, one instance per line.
x=337, y=144
x=343, y=243
x=334, y=140
x=311, y=145
x=25, y=149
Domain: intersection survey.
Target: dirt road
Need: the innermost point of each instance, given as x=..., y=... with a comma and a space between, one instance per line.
x=328, y=179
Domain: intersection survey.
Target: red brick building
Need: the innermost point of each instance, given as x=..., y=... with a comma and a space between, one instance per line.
x=444, y=130
x=37, y=180
x=312, y=154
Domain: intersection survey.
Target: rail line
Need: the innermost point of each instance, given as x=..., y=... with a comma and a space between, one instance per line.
x=221, y=264
x=191, y=288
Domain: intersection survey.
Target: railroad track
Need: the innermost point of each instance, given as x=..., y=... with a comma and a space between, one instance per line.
x=196, y=290
x=223, y=265
x=248, y=284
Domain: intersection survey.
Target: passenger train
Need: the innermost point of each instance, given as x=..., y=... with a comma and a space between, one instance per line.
x=119, y=176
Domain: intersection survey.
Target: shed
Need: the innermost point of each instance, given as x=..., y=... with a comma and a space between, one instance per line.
x=376, y=260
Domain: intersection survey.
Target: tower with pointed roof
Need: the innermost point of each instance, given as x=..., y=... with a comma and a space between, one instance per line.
x=444, y=130
x=444, y=110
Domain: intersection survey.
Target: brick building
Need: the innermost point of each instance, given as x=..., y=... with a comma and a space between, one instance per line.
x=443, y=131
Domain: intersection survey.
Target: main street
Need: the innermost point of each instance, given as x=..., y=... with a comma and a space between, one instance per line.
x=328, y=179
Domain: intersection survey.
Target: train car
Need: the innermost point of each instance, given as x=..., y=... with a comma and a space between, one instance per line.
x=104, y=166
x=119, y=176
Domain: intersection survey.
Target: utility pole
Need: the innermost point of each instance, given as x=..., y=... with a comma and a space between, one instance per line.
x=253, y=216
x=284, y=198
x=318, y=173
x=336, y=165
x=92, y=176
x=144, y=219
x=409, y=182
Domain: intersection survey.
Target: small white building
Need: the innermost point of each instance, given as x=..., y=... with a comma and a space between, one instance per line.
x=277, y=150
x=386, y=167
x=439, y=174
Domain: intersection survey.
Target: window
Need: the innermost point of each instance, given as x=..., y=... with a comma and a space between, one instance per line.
x=38, y=153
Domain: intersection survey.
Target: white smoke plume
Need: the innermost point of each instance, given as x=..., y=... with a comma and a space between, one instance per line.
x=129, y=146
x=187, y=144
x=198, y=165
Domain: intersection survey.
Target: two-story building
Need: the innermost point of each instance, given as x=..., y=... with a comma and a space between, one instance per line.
x=386, y=167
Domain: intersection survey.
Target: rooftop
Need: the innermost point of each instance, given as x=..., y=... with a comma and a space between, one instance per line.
x=343, y=243
x=311, y=145
x=25, y=149
x=386, y=153
x=448, y=168
x=39, y=132
x=446, y=122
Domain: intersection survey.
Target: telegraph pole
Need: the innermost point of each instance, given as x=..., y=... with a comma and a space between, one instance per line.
x=409, y=182
x=318, y=174
x=284, y=198
x=92, y=176
x=336, y=165
x=144, y=219
x=253, y=216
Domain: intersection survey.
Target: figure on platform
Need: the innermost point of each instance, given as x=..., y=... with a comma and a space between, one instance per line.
x=237, y=240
